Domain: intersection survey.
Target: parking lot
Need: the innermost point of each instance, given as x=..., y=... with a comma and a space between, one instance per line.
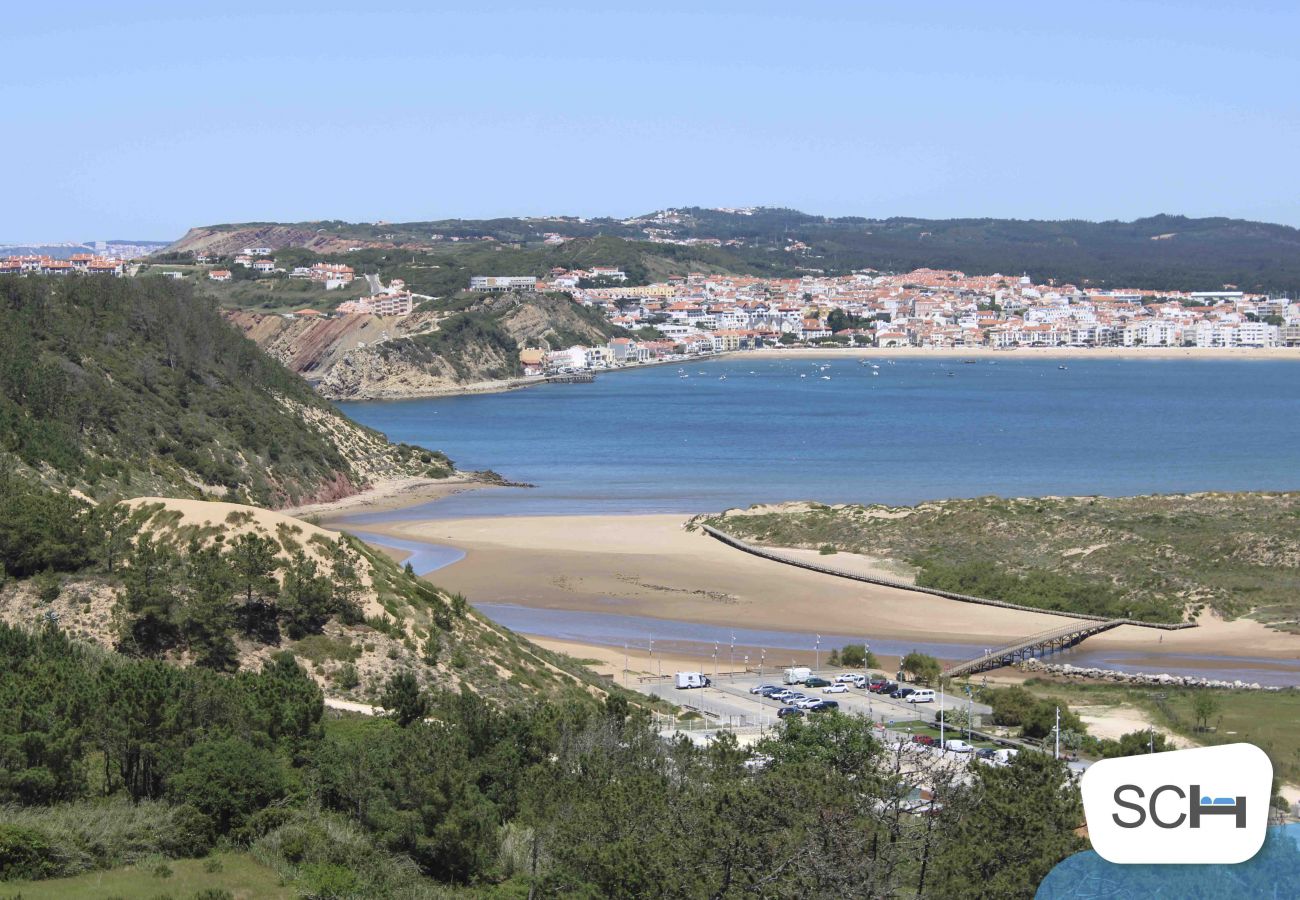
x=729, y=701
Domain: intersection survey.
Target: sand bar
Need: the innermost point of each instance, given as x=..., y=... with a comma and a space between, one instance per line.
x=649, y=565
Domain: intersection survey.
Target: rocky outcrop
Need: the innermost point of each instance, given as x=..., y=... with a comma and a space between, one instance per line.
x=1144, y=678
x=312, y=346
x=428, y=353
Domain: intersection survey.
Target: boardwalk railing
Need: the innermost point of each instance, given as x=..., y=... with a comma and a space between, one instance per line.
x=776, y=556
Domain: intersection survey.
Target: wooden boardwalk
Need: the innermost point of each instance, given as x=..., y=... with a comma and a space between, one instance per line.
x=1045, y=642
x=1083, y=625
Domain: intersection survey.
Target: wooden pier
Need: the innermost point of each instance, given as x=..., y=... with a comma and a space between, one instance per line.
x=585, y=378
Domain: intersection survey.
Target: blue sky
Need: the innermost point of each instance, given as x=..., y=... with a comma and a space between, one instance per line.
x=137, y=120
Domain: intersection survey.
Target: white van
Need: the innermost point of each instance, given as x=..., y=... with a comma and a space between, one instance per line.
x=691, y=680
x=797, y=675
x=921, y=695
x=956, y=746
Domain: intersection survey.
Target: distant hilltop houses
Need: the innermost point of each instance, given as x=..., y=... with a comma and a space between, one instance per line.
x=87, y=263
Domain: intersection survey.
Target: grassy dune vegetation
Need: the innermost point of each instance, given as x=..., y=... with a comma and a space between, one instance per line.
x=1158, y=558
x=222, y=876
x=1271, y=721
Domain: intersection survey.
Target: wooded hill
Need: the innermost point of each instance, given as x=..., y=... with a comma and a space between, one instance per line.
x=1161, y=252
x=121, y=387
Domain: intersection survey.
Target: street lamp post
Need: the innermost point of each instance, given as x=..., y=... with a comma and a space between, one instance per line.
x=1057, y=729
x=818, y=663
x=761, y=660
x=943, y=720
x=731, y=663
x=715, y=660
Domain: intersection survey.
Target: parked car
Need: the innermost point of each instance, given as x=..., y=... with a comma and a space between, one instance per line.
x=902, y=693
x=816, y=682
x=759, y=688
x=957, y=746
x=884, y=687
x=986, y=753
x=822, y=706
x=921, y=695
x=835, y=689
x=771, y=691
x=924, y=739
x=788, y=711
x=859, y=681
x=846, y=678
x=806, y=702
x=782, y=695
x=877, y=679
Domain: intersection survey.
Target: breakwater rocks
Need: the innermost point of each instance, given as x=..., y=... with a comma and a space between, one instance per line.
x=1144, y=678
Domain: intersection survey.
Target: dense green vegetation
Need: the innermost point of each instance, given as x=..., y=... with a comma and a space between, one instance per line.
x=136, y=386
x=1156, y=558
x=109, y=762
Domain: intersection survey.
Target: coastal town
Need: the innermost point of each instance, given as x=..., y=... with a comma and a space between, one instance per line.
x=926, y=309
x=701, y=314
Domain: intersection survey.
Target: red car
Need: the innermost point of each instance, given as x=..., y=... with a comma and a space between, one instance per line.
x=924, y=739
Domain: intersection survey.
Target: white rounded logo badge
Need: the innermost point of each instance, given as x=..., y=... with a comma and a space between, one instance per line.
x=1206, y=805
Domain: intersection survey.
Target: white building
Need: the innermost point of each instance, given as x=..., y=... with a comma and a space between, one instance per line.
x=502, y=283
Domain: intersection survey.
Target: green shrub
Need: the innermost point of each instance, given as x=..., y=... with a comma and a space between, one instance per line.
x=26, y=853
x=228, y=780
x=326, y=881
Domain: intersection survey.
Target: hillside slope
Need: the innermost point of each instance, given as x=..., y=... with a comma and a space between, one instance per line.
x=117, y=387
x=397, y=623
x=443, y=347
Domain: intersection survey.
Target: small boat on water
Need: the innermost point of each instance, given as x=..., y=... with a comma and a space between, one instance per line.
x=722, y=377
x=1062, y=368
x=952, y=375
x=875, y=373
x=968, y=362
x=826, y=378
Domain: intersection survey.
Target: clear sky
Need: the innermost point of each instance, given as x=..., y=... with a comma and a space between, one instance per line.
x=138, y=120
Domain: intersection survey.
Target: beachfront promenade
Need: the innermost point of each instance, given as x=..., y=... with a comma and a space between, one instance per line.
x=1083, y=626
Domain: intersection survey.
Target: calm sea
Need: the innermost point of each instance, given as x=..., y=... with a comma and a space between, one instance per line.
x=743, y=430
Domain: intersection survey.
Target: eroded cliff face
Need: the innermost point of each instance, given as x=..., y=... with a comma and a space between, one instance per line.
x=390, y=374
x=312, y=346
x=427, y=353
x=228, y=240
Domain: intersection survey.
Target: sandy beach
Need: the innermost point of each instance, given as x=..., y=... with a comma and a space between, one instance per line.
x=389, y=494
x=649, y=565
